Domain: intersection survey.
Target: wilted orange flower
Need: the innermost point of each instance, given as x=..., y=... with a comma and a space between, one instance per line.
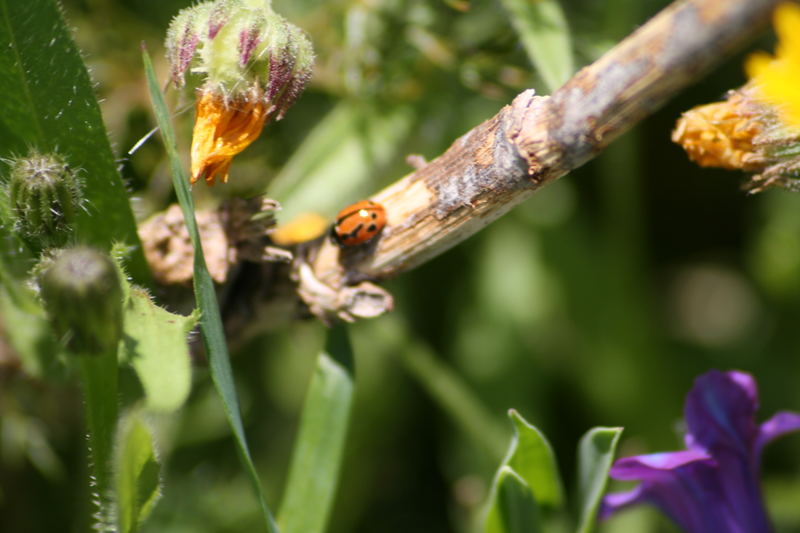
x=222, y=130
x=722, y=134
x=757, y=128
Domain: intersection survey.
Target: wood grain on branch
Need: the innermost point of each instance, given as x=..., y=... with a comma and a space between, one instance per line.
x=535, y=140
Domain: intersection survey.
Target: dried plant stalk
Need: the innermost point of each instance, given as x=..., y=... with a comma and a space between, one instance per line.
x=535, y=140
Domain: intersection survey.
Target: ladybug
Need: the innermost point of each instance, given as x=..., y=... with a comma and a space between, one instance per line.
x=359, y=223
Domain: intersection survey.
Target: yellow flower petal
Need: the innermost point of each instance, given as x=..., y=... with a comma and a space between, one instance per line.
x=777, y=79
x=786, y=20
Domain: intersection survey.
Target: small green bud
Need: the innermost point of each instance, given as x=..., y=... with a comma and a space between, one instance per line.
x=82, y=294
x=45, y=196
x=242, y=47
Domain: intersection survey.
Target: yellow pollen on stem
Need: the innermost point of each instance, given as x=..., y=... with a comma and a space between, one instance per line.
x=777, y=78
x=222, y=130
x=302, y=228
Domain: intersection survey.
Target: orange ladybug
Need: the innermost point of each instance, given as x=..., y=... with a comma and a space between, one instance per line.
x=359, y=223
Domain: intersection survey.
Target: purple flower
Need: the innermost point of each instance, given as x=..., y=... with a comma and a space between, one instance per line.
x=712, y=486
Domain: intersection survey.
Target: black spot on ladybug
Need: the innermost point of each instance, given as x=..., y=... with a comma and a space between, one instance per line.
x=356, y=231
x=371, y=228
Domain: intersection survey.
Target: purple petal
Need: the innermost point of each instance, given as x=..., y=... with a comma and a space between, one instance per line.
x=652, y=466
x=780, y=424
x=720, y=412
x=684, y=485
x=619, y=500
x=747, y=383
x=739, y=486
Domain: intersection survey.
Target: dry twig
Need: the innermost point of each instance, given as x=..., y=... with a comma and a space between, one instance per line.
x=535, y=140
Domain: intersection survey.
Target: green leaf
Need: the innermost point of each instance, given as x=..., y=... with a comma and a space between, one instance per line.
x=317, y=457
x=595, y=455
x=48, y=104
x=531, y=456
x=513, y=508
x=210, y=320
x=155, y=345
x=138, y=483
x=345, y=148
x=543, y=29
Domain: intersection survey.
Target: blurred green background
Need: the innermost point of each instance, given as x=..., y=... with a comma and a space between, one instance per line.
x=595, y=303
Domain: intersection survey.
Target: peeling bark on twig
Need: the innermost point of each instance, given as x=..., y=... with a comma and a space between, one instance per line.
x=500, y=163
x=530, y=142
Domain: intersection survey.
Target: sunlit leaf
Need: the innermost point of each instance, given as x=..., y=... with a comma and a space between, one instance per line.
x=155, y=344
x=49, y=104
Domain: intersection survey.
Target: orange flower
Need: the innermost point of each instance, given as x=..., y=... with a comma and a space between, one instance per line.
x=222, y=130
x=757, y=128
x=723, y=134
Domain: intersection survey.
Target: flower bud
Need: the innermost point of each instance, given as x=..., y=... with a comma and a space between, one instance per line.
x=255, y=65
x=45, y=196
x=82, y=294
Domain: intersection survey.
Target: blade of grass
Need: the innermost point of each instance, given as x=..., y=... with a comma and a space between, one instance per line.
x=210, y=321
x=543, y=29
x=317, y=458
x=595, y=455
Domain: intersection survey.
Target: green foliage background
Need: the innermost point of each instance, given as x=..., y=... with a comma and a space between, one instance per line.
x=595, y=303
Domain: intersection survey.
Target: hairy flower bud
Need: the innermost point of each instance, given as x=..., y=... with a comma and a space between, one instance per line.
x=255, y=65
x=82, y=294
x=45, y=195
